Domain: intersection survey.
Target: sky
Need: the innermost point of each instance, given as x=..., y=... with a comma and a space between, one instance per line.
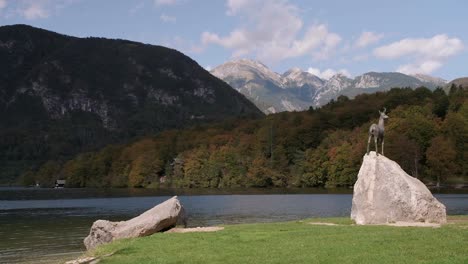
x=322, y=37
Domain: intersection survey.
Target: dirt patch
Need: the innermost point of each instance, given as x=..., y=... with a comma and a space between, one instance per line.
x=195, y=229
x=415, y=224
x=457, y=221
x=410, y=224
x=88, y=260
x=84, y=260
x=322, y=223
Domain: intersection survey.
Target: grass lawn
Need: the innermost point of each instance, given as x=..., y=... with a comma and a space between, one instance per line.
x=299, y=242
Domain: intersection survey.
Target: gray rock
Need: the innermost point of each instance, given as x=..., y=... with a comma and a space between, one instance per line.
x=160, y=217
x=384, y=193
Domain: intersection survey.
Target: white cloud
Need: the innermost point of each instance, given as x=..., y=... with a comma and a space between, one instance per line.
x=429, y=54
x=272, y=31
x=316, y=37
x=368, y=38
x=424, y=67
x=237, y=40
x=35, y=10
x=164, y=2
x=208, y=68
x=328, y=73
x=235, y=5
x=439, y=46
x=167, y=18
x=3, y=4
x=361, y=57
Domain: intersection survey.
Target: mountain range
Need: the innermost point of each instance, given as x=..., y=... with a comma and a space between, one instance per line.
x=297, y=90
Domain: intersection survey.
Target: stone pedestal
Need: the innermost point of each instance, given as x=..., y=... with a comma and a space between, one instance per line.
x=384, y=193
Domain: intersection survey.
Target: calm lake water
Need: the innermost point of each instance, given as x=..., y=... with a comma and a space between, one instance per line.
x=49, y=225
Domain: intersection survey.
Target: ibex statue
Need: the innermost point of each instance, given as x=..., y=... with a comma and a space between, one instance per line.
x=377, y=131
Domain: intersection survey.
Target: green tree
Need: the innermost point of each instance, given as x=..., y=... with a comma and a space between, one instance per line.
x=441, y=159
x=48, y=173
x=232, y=166
x=315, y=172
x=415, y=122
x=441, y=103
x=27, y=178
x=341, y=169
x=455, y=127
x=77, y=171
x=406, y=152
x=145, y=169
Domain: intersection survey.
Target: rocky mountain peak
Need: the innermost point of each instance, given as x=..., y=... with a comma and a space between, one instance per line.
x=367, y=80
x=340, y=76
x=247, y=69
x=296, y=77
x=428, y=78
x=338, y=82
x=301, y=89
x=251, y=62
x=292, y=72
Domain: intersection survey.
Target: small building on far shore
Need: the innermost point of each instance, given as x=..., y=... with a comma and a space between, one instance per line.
x=60, y=183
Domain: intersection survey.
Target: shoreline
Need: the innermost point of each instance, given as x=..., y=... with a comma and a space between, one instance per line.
x=239, y=241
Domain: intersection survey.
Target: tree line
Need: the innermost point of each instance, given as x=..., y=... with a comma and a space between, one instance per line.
x=426, y=134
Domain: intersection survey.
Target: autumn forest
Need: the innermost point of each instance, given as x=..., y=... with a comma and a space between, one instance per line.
x=426, y=134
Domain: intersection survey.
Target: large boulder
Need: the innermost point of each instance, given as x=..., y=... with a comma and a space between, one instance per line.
x=161, y=217
x=385, y=193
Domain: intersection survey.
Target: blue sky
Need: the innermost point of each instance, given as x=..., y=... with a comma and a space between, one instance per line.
x=323, y=37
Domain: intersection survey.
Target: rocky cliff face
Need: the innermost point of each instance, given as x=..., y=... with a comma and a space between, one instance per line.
x=81, y=93
x=269, y=91
x=112, y=79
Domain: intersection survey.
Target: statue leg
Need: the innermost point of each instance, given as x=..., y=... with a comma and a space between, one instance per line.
x=376, y=149
x=368, y=142
x=382, y=147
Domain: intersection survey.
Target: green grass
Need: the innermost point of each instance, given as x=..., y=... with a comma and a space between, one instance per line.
x=299, y=242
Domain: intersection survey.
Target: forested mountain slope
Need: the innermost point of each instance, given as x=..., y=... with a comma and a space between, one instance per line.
x=62, y=95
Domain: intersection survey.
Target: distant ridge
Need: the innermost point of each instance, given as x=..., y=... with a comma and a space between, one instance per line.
x=297, y=90
x=460, y=82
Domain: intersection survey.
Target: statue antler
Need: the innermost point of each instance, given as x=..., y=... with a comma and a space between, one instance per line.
x=384, y=110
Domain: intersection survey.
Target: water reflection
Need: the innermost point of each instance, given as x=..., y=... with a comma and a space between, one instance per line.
x=21, y=193
x=38, y=228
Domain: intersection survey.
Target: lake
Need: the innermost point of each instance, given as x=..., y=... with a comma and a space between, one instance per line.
x=49, y=225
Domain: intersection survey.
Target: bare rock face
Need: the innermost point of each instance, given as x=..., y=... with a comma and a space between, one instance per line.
x=384, y=193
x=160, y=217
